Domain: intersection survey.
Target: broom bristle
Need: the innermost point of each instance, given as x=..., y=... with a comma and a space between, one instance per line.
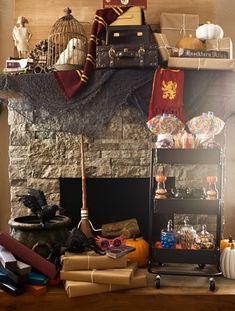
x=85, y=227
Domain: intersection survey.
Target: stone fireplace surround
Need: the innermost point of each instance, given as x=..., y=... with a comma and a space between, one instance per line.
x=39, y=158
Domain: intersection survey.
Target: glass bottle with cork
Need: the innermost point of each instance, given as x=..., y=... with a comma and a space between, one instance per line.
x=212, y=191
x=161, y=192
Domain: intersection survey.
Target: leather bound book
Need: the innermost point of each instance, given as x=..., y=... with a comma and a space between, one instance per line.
x=22, y=268
x=12, y=289
x=27, y=255
x=13, y=277
x=7, y=259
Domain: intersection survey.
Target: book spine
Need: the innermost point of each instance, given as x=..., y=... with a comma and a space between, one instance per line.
x=12, y=289
x=13, y=64
x=7, y=259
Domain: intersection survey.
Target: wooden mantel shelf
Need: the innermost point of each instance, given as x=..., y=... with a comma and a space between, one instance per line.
x=176, y=293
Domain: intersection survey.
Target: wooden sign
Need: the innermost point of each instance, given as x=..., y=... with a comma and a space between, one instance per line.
x=112, y=3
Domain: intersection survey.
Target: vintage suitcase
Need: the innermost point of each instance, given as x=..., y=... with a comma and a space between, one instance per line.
x=133, y=16
x=126, y=56
x=135, y=35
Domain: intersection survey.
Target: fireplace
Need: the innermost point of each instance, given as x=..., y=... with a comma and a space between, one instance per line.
x=108, y=200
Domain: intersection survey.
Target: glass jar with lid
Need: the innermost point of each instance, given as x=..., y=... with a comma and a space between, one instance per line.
x=187, y=235
x=206, y=239
x=168, y=236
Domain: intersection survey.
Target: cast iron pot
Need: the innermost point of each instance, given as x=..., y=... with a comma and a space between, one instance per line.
x=29, y=231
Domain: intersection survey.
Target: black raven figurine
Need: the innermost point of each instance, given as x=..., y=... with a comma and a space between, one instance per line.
x=36, y=202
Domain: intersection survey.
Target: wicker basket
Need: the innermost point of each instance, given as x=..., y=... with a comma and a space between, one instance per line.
x=67, y=44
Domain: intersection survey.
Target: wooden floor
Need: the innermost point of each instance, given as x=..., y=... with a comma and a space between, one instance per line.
x=176, y=293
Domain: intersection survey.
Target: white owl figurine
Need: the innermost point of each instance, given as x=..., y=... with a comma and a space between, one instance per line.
x=73, y=54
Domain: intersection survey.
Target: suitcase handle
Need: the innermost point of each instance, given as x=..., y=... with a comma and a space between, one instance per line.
x=126, y=53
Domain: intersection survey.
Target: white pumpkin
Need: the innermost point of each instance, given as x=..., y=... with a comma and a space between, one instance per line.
x=209, y=31
x=227, y=262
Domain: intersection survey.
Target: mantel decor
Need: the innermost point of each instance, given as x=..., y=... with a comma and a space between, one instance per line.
x=108, y=90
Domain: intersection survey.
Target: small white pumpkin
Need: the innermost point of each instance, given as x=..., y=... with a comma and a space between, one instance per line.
x=209, y=31
x=227, y=262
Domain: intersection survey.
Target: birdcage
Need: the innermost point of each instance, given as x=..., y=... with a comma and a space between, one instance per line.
x=67, y=44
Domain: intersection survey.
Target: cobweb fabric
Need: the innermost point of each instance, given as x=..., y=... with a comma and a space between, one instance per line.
x=107, y=91
x=86, y=113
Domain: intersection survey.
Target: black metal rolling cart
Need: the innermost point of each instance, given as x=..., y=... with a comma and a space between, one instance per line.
x=184, y=262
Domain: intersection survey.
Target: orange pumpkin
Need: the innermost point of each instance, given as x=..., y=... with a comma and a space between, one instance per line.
x=225, y=243
x=190, y=43
x=141, y=254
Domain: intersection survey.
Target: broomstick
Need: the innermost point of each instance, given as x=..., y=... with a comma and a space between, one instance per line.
x=84, y=224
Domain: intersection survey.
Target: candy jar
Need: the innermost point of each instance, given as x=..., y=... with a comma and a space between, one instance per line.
x=212, y=192
x=161, y=192
x=168, y=237
x=187, y=235
x=206, y=239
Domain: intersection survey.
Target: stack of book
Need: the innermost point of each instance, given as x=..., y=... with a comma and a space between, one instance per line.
x=90, y=273
x=22, y=269
x=16, y=65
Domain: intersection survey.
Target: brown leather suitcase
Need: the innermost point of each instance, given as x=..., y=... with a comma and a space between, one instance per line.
x=135, y=35
x=121, y=56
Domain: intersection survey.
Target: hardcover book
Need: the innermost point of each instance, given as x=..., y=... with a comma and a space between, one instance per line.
x=116, y=252
x=12, y=289
x=7, y=259
x=12, y=276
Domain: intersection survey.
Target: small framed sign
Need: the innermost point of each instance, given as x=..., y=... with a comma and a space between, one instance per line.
x=111, y=3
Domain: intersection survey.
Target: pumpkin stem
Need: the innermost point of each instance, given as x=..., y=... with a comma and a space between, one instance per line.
x=230, y=239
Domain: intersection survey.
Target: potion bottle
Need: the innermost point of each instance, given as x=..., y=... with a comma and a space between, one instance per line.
x=168, y=236
x=161, y=192
x=212, y=191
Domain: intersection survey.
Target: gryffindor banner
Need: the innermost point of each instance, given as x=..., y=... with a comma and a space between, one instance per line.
x=167, y=93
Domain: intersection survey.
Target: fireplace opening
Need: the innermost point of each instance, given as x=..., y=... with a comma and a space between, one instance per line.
x=108, y=200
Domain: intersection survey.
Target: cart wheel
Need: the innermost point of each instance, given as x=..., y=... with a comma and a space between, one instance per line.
x=158, y=281
x=201, y=265
x=212, y=284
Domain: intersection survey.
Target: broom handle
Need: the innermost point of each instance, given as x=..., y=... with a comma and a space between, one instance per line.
x=84, y=199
